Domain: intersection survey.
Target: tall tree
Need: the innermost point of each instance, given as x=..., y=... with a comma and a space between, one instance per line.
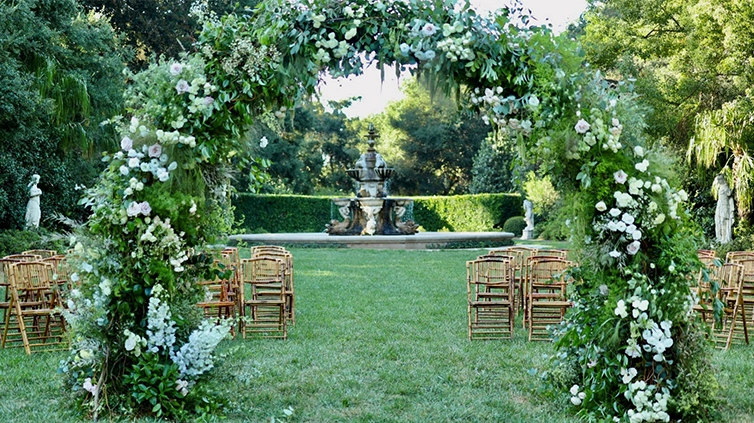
x=436, y=143
x=693, y=59
x=61, y=76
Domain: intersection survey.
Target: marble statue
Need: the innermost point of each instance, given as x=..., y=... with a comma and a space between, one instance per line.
x=528, y=232
x=33, y=213
x=724, y=210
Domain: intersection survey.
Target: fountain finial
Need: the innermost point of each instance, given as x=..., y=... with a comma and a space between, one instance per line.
x=372, y=135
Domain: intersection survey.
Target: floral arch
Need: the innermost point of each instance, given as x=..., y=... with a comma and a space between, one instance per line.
x=161, y=199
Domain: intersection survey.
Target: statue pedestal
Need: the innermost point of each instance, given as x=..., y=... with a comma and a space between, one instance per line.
x=527, y=234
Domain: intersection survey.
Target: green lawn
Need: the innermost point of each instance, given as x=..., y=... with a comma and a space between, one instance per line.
x=380, y=337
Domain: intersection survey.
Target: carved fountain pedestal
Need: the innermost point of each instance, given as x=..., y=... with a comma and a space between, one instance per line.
x=371, y=212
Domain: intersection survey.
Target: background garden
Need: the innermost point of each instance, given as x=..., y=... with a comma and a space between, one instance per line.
x=661, y=84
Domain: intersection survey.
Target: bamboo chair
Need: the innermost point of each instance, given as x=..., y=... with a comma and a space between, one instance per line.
x=747, y=283
x=521, y=257
x=262, y=298
x=61, y=270
x=732, y=325
x=230, y=258
x=547, y=302
x=41, y=253
x=551, y=252
x=33, y=319
x=735, y=256
x=217, y=302
x=491, y=298
x=285, y=255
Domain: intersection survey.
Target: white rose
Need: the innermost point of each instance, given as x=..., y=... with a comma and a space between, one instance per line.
x=582, y=126
x=601, y=206
x=642, y=167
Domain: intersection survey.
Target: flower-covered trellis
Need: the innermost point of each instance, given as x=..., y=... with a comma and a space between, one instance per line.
x=138, y=342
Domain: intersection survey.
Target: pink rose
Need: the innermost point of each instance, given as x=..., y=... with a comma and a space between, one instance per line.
x=145, y=208
x=126, y=144
x=620, y=176
x=176, y=68
x=182, y=86
x=208, y=100
x=155, y=150
x=582, y=126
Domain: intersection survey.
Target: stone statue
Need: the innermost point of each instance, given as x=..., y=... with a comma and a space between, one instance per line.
x=33, y=214
x=723, y=211
x=528, y=232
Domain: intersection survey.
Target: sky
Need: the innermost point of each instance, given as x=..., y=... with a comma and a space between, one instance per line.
x=376, y=94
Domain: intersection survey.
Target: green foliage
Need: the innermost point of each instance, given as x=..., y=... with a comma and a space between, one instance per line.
x=435, y=143
x=466, y=213
x=14, y=241
x=492, y=170
x=282, y=213
x=296, y=213
x=515, y=225
x=61, y=73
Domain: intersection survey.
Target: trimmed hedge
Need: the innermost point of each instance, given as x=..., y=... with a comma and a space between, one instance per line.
x=259, y=213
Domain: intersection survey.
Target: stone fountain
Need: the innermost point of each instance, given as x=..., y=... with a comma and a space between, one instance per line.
x=371, y=212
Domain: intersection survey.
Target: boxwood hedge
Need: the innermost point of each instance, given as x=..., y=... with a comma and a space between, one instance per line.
x=259, y=213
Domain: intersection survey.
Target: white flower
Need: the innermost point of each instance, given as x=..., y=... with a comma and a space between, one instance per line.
x=145, y=208
x=87, y=385
x=126, y=144
x=683, y=195
x=533, y=102
x=636, y=235
x=133, y=209
x=181, y=386
x=601, y=206
x=629, y=375
x=638, y=151
x=615, y=212
x=124, y=170
x=350, y=33
x=615, y=122
x=429, y=29
x=620, y=176
x=582, y=126
x=263, y=142
x=633, y=247
x=628, y=218
x=176, y=68
x=623, y=199
x=182, y=86
x=208, y=100
x=133, y=162
x=615, y=254
x=575, y=390
x=155, y=150
x=659, y=219
x=404, y=48
x=192, y=210
x=640, y=304
x=576, y=400
x=642, y=167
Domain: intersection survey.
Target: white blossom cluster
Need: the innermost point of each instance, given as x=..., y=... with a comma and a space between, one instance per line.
x=599, y=133
x=155, y=162
x=160, y=325
x=577, y=396
x=496, y=108
x=164, y=239
x=457, y=48
x=195, y=356
x=651, y=405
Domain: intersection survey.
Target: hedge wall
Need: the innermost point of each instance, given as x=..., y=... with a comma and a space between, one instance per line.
x=301, y=213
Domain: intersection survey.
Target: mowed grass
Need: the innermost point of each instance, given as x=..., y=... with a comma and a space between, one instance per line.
x=380, y=337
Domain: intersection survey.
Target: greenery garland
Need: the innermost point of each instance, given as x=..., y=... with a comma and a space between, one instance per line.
x=138, y=343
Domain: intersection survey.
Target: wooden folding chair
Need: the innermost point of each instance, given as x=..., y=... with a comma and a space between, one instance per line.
x=491, y=298
x=747, y=283
x=41, y=253
x=521, y=256
x=735, y=256
x=546, y=296
x=262, y=298
x=285, y=255
x=32, y=319
x=217, y=303
x=732, y=324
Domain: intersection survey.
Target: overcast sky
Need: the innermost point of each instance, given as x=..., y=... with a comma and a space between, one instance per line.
x=376, y=95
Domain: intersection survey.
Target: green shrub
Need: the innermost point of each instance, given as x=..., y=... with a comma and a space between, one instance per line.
x=15, y=241
x=299, y=213
x=515, y=225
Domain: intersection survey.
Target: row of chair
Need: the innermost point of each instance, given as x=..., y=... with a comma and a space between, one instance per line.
x=32, y=300
x=260, y=290
x=730, y=286
x=506, y=281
